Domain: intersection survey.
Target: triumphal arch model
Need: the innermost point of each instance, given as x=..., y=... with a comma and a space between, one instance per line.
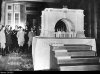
x=59, y=27
x=70, y=21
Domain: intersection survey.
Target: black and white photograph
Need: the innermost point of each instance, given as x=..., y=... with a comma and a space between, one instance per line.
x=49, y=35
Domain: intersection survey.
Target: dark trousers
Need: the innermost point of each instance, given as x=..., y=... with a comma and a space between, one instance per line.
x=20, y=49
x=8, y=49
x=30, y=49
x=3, y=52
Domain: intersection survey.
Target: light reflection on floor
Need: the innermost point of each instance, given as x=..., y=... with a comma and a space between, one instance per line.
x=16, y=62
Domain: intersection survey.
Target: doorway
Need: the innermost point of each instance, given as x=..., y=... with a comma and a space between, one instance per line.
x=60, y=26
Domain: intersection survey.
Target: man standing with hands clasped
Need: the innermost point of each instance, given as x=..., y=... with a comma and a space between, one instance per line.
x=31, y=34
x=21, y=39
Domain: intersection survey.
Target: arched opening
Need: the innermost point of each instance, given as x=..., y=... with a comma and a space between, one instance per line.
x=65, y=28
x=60, y=26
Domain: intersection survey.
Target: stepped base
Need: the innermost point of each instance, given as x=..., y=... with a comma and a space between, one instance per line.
x=76, y=57
x=41, y=48
x=81, y=68
x=75, y=54
x=73, y=47
x=73, y=61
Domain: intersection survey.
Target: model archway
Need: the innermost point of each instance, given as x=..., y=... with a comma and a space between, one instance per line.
x=60, y=25
x=64, y=24
x=71, y=20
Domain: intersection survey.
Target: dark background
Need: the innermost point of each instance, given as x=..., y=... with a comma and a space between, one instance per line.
x=0, y=8
x=91, y=11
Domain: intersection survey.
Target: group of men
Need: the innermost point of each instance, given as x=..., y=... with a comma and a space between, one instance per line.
x=15, y=40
